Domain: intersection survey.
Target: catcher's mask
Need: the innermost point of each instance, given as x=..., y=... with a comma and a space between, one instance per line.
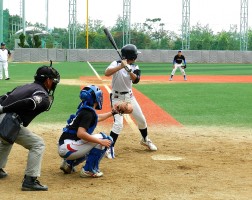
x=130, y=52
x=92, y=94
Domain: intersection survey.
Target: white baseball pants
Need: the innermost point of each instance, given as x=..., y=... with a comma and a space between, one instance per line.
x=4, y=65
x=176, y=66
x=78, y=149
x=137, y=112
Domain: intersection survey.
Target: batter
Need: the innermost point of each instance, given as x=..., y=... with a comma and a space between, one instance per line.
x=125, y=73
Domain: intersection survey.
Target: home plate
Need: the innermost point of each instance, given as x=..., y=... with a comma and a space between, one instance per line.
x=165, y=157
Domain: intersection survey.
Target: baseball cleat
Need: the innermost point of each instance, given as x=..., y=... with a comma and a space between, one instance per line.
x=3, y=174
x=32, y=184
x=87, y=174
x=148, y=143
x=66, y=168
x=110, y=154
x=170, y=79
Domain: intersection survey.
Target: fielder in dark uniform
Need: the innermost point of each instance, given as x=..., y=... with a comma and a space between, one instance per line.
x=27, y=102
x=179, y=62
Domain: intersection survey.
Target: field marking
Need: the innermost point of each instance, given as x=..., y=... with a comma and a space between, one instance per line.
x=127, y=117
x=165, y=157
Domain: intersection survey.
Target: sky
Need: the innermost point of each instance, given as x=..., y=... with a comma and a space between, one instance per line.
x=218, y=14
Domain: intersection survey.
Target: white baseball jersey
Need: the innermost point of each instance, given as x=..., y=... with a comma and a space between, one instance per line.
x=121, y=79
x=4, y=54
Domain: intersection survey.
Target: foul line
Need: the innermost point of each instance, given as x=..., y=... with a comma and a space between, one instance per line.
x=127, y=117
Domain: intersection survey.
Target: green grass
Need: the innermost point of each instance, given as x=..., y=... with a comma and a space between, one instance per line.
x=190, y=103
x=192, y=69
x=66, y=100
x=67, y=70
x=204, y=104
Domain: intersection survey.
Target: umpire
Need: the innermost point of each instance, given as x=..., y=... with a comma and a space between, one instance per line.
x=27, y=102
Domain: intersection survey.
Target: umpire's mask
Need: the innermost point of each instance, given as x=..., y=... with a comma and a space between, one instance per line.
x=45, y=72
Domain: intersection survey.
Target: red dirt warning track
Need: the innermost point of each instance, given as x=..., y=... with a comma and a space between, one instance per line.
x=199, y=79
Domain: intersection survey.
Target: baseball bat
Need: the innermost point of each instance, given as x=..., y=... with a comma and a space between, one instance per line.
x=112, y=41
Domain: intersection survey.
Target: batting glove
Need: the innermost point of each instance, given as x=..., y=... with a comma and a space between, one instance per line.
x=128, y=68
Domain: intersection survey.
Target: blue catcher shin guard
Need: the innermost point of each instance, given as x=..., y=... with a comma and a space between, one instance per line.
x=76, y=162
x=94, y=157
x=93, y=160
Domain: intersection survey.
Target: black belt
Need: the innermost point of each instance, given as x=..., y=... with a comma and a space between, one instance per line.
x=121, y=92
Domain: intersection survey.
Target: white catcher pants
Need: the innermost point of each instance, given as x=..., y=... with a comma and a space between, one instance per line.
x=137, y=112
x=4, y=65
x=78, y=149
x=176, y=66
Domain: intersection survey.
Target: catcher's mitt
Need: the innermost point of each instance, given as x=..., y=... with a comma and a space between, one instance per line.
x=122, y=108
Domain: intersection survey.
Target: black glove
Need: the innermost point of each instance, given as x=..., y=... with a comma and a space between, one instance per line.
x=184, y=66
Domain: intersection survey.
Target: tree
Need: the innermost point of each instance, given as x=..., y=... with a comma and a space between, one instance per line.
x=37, y=41
x=201, y=37
x=22, y=41
x=250, y=39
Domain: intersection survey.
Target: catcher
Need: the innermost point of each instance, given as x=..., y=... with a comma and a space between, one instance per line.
x=179, y=62
x=125, y=73
x=78, y=143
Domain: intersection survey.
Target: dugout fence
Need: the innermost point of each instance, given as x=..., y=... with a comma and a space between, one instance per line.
x=108, y=55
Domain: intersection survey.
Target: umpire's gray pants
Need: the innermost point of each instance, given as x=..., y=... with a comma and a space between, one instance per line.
x=30, y=141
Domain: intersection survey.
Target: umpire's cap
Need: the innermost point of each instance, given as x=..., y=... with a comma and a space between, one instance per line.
x=2, y=44
x=45, y=72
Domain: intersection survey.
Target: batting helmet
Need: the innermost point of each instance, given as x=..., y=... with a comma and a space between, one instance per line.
x=92, y=94
x=130, y=52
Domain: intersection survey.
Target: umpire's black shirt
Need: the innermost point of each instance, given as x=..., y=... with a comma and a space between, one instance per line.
x=27, y=101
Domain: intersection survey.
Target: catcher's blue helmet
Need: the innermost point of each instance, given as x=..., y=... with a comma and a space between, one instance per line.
x=92, y=94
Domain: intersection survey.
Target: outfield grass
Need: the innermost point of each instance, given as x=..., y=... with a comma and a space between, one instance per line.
x=192, y=69
x=204, y=104
x=190, y=103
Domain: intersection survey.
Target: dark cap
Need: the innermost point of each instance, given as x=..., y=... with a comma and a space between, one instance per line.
x=45, y=72
x=179, y=51
x=2, y=44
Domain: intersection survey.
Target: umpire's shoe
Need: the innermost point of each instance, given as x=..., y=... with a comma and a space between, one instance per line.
x=32, y=184
x=3, y=174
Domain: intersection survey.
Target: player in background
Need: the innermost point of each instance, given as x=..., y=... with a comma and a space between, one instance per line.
x=179, y=62
x=125, y=73
x=4, y=56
